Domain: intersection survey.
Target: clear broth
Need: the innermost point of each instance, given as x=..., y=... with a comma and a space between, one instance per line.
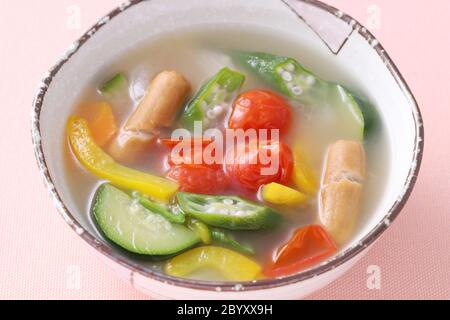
x=198, y=54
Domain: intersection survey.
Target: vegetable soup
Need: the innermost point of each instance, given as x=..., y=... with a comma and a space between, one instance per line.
x=226, y=155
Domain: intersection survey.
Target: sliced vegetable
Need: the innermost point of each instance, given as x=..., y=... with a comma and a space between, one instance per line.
x=220, y=237
x=281, y=195
x=284, y=74
x=308, y=246
x=212, y=100
x=136, y=229
x=291, y=78
x=260, y=109
x=192, y=152
x=200, y=229
x=116, y=86
x=192, y=142
x=227, y=211
x=255, y=164
x=102, y=121
x=303, y=175
x=351, y=119
x=172, y=213
x=199, y=178
x=231, y=265
x=371, y=116
x=341, y=193
x=93, y=158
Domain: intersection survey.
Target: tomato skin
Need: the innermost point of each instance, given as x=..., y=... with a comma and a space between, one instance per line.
x=260, y=109
x=193, y=157
x=170, y=143
x=201, y=179
x=308, y=246
x=244, y=167
x=194, y=177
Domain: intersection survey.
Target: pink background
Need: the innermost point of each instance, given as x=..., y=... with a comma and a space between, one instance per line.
x=39, y=253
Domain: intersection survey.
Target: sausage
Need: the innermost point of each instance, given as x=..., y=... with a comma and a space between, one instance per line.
x=341, y=190
x=158, y=109
x=128, y=145
x=165, y=95
x=345, y=159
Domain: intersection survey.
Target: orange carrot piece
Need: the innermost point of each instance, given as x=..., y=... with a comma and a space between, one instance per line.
x=102, y=122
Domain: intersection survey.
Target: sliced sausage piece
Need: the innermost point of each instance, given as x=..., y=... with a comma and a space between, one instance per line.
x=129, y=145
x=158, y=109
x=165, y=95
x=345, y=160
x=341, y=191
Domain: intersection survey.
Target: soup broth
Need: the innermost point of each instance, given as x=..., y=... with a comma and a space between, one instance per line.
x=198, y=55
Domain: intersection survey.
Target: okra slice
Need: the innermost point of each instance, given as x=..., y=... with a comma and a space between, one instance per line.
x=283, y=73
x=222, y=238
x=290, y=78
x=214, y=97
x=170, y=212
x=227, y=212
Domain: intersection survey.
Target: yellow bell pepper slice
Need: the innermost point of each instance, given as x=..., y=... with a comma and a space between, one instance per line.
x=278, y=194
x=94, y=159
x=232, y=265
x=303, y=175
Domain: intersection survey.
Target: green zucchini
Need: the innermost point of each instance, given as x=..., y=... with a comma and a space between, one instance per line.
x=128, y=224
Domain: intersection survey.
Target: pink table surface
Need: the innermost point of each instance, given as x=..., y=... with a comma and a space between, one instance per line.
x=40, y=255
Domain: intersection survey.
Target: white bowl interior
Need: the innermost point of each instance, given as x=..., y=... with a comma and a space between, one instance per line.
x=151, y=19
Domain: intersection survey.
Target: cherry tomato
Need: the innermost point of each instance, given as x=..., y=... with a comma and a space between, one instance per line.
x=192, y=156
x=199, y=178
x=260, y=109
x=254, y=163
x=308, y=246
x=172, y=143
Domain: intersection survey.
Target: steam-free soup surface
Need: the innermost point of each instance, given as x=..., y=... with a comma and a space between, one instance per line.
x=199, y=54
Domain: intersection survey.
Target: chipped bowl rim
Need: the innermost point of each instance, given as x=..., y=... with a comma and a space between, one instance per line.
x=327, y=266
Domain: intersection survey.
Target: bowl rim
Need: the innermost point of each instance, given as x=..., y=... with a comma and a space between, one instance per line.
x=328, y=265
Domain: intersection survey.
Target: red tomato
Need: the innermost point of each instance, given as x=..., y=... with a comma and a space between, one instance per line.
x=250, y=166
x=172, y=143
x=199, y=178
x=192, y=157
x=308, y=246
x=260, y=109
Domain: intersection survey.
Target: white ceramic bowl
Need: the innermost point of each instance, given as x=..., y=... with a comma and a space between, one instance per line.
x=322, y=28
